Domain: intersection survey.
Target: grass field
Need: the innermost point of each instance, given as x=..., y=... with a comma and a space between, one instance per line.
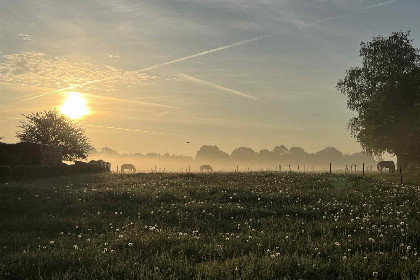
x=209, y=226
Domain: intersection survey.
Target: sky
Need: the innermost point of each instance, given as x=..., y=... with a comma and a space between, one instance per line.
x=158, y=74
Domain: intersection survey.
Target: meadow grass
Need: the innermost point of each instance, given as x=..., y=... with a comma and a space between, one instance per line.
x=209, y=226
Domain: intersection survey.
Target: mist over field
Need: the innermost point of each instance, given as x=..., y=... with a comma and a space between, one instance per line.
x=245, y=159
x=209, y=140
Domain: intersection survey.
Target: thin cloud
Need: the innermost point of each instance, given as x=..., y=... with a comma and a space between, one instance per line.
x=240, y=43
x=131, y=101
x=380, y=4
x=127, y=129
x=39, y=70
x=243, y=42
x=25, y=37
x=216, y=86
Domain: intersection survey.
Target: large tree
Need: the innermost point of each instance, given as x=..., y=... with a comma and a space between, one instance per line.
x=244, y=154
x=385, y=94
x=52, y=128
x=211, y=154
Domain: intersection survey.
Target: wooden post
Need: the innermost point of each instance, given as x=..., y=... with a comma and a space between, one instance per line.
x=298, y=167
x=363, y=169
x=401, y=177
x=330, y=167
x=117, y=169
x=290, y=169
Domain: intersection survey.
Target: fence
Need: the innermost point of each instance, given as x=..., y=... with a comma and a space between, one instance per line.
x=29, y=172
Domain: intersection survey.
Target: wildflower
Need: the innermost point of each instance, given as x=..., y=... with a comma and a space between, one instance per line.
x=52, y=242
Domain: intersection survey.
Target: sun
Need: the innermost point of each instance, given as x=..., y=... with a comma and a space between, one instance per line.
x=74, y=106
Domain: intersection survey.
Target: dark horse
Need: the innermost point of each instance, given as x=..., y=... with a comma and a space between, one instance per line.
x=206, y=167
x=386, y=164
x=129, y=167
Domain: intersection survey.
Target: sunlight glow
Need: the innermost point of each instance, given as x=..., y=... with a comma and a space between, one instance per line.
x=74, y=106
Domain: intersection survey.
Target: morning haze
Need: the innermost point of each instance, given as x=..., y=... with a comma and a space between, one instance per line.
x=209, y=139
x=99, y=49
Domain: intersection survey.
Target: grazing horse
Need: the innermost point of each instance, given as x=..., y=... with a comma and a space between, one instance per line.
x=386, y=164
x=128, y=166
x=206, y=167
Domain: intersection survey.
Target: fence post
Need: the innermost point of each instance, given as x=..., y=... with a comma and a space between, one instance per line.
x=330, y=167
x=401, y=177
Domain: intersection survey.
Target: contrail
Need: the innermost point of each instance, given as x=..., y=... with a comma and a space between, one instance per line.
x=101, y=97
x=380, y=4
x=243, y=42
x=66, y=88
x=127, y=129
x=133, y=101
x=213, y=85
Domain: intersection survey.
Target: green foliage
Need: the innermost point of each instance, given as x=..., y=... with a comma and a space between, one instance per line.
x=209, y=226
x=211, y=154
x=385, y=94
x=52, y=128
